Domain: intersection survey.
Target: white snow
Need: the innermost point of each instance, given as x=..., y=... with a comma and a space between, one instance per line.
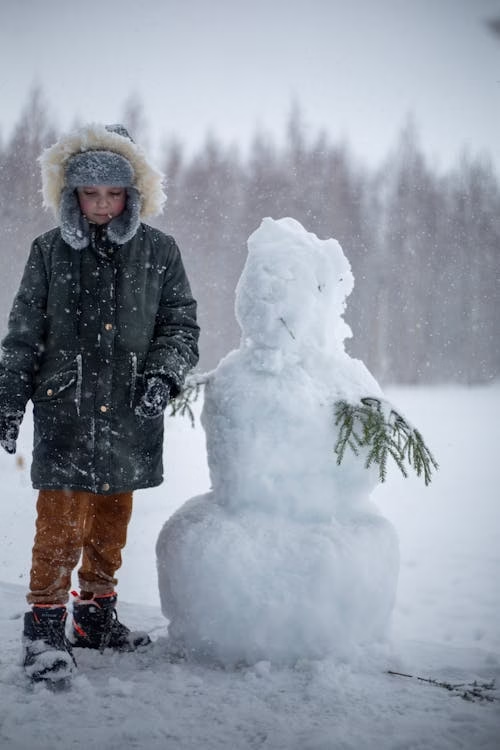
x=445, y=624
x=286, y=558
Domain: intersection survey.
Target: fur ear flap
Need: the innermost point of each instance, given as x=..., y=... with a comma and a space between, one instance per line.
x=74, y=226
x=123, y=227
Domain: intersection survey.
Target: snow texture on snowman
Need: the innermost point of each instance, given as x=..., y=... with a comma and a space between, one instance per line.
x=286, y=557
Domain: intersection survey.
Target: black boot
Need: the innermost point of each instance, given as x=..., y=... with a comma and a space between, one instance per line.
x=48, y=656
x=96, y=625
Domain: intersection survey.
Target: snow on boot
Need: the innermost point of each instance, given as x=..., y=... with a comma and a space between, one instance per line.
x=96, y=625
x=48, y=656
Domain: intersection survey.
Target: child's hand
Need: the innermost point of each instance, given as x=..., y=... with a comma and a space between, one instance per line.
x=155, y=399
x=9, y=430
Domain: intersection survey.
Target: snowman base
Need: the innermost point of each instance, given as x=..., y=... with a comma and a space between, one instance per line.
x=247, y=587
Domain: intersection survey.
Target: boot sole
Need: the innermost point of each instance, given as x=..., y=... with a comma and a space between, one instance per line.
x=126, y=648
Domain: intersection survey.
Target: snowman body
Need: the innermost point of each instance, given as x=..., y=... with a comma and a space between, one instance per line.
x=286, y=557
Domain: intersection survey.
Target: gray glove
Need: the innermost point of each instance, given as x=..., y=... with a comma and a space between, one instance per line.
x=10, y=423
x=154, y=400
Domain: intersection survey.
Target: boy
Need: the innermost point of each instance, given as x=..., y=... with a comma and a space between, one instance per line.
x=101, y=335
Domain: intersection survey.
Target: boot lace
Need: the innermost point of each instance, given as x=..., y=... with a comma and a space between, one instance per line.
x=112, y=628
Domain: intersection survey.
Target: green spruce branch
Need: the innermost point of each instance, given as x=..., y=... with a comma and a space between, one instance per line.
x=385, y=433
x=182, y=404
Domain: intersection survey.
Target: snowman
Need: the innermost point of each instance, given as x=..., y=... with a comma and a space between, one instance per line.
x=286, y=557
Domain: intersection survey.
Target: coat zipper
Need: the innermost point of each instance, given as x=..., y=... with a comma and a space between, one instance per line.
x=133, y=366
x=79, y=377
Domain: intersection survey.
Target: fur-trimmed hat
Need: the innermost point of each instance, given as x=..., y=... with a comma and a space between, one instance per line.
x=99, y=155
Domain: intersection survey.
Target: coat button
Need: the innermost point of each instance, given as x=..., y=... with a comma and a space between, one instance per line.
x=108, y=326
x=50, y=392
x=103, y=409
x=105, y=487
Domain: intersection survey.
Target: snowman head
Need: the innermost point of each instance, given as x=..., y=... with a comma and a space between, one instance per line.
x=291, y=294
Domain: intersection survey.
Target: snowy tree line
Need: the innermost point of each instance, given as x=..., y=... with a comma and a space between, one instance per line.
x=424, y=245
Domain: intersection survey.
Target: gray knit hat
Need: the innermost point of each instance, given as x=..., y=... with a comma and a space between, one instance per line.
x=99, y=168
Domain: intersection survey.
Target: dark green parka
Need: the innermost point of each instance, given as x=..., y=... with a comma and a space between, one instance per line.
x=86, y=329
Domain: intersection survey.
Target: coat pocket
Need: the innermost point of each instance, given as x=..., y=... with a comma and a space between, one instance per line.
x=63, y=385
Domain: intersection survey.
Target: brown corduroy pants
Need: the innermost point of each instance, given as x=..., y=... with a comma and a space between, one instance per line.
x=71, y=523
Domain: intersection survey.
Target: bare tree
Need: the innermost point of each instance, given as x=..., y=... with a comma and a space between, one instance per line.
x=21, y=214
x=423, y=246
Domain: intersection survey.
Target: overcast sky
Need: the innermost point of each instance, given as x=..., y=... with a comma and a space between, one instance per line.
x=357, y=67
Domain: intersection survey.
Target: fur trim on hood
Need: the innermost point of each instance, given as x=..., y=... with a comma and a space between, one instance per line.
x=97, y=137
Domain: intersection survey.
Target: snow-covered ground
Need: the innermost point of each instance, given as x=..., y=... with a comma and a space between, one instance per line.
x=446, y=623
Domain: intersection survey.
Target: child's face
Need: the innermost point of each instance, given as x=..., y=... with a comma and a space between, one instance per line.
x=101, y=203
